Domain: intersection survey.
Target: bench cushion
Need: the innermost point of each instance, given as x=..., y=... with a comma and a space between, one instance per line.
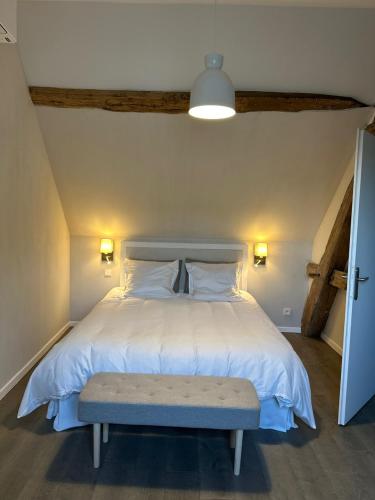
x=169, y=400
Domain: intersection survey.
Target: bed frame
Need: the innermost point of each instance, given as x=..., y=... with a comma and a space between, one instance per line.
x=214, y=252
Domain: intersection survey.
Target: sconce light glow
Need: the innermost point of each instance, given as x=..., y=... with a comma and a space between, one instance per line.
x=260, y=249
x=106, y=245
x=260, y=254
x=106, y=249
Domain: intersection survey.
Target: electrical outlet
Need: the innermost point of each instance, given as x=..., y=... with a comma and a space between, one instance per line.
x=108, y=273
x=287, y=311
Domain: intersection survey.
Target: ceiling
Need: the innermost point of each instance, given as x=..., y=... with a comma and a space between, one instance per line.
x=161, y=47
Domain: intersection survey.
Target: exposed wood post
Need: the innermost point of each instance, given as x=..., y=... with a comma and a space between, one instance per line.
x=173, y=102
x=339, y=279
x=312, y=270
x=322, y=294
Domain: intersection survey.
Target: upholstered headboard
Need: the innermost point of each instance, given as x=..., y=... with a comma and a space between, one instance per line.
x=209, y=252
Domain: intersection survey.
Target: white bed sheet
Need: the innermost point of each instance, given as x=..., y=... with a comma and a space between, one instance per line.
x=174, y=336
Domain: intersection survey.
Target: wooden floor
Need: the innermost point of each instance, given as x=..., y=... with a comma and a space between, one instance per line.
x=148, y=463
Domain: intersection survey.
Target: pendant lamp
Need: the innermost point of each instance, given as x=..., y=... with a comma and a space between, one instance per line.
x=212, y=96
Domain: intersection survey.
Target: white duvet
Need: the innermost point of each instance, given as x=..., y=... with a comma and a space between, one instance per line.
x=174, y=336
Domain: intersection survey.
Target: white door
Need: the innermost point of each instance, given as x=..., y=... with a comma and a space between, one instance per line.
x=358, y=360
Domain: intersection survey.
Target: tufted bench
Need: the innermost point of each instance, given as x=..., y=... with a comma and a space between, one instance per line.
x=169, y=400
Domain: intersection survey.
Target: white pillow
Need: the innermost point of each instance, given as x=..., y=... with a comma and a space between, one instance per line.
x=149, y=279
x=214, y=281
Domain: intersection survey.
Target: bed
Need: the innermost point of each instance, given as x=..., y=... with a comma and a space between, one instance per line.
x=179, y=336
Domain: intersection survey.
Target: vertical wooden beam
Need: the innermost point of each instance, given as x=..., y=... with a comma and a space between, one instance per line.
x=339, y=279
x=312, y=270
x=322, y=294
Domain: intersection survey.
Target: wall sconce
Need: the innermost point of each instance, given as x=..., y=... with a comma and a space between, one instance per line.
x=106, y=249
x=260, y=254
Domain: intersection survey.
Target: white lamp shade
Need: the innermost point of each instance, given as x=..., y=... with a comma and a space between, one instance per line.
x=212, y=96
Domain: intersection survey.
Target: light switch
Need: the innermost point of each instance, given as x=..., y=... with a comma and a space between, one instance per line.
x=108, y=273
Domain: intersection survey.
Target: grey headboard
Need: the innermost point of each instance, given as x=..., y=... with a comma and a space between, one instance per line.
x=212, y=252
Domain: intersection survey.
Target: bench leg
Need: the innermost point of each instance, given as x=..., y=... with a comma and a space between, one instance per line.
x=232, y=439
x=238, y=452
x=105, y=433
x=96, y=443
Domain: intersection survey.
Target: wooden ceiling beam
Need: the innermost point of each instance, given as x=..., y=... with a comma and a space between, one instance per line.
x=322, y=292
x=178, y=102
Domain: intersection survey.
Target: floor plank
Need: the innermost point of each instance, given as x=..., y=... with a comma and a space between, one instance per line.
x=181, y=464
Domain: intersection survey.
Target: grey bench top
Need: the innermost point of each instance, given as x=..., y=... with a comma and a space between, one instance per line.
x=170, y=400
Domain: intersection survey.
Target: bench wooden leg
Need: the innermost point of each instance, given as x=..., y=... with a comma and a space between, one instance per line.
x=238, y=452
x=96, y=443
x=232, y=439
x=105, y=433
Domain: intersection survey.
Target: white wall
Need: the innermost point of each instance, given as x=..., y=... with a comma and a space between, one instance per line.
x=282, y=283
x=8, y=17
x=87, y=282
x=34, y=242
x=334, y=330
x=257, y=176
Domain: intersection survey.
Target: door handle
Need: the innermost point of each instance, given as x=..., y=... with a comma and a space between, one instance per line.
x=358, y=279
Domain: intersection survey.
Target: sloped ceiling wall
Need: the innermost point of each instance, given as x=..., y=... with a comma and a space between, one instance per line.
x=268, y=175
x=264, y=175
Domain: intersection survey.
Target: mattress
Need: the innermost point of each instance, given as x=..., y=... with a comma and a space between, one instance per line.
x=174, y=336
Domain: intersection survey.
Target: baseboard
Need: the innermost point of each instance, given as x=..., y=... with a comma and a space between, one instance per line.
x=21, y=373
x=289, y=329
x=332, y=344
